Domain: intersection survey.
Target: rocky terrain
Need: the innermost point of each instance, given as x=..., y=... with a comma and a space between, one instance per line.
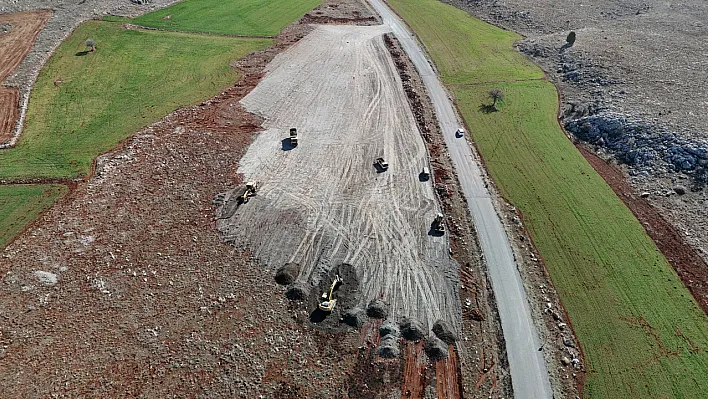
x=632, y=89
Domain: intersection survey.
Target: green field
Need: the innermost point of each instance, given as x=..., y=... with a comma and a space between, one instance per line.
x=642, y=333
x=20, y=205
x=133, y=79
x=243, y=17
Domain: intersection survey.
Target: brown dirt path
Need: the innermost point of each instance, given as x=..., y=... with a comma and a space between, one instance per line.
x=14, y=46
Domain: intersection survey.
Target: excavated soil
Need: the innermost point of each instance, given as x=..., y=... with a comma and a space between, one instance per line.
x=15, y=43
x=323, y=203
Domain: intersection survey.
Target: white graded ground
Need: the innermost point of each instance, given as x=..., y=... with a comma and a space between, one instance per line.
x=323, y=202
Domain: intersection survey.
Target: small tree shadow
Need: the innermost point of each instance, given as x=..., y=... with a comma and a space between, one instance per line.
x=81, y=53
x=487, y=108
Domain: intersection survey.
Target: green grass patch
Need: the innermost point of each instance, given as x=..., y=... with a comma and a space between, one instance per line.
x=243, y=17
x=465, y=49
x=83, y=104
x=642, y=332
x=20, y=205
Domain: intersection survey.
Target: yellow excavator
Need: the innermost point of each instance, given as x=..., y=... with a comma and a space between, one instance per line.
x=328, y=304
x=251, y=188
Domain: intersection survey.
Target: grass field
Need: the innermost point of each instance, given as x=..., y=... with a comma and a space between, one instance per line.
x=20, y=204
x=84, y=104
x=642, y=333
x=243, y=17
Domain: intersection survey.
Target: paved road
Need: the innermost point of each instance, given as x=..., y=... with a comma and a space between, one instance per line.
x=528, y=368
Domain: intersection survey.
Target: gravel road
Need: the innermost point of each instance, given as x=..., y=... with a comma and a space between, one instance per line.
x=528, y=369
x=323, y=203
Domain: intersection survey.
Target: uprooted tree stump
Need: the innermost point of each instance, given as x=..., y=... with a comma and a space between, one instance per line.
x=435, y=348
x=378, y=309
x=297, y=291
x=354, y=317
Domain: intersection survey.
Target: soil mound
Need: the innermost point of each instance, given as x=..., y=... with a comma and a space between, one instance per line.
x=297, y=291
x=435, y=348
x=287, y=274
x=389, y=327
x=354, y=317
x=389, y=347
x=412, y=329
x=444, y=331
x=377, y=309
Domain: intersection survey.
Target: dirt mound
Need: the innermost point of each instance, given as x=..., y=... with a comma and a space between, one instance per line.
x=435, y=348
x=287, y=274
x=389, y=347
x=389, y=327
x=354, y=317
x=412, y=329
x=444, y=331
x=298, y=291
x=378, y=309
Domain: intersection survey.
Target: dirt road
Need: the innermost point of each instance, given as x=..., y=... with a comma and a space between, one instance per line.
x=323, y=202
x=528, y=368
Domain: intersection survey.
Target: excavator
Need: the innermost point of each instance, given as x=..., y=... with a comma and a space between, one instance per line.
x=329, y=302
x=251, y=189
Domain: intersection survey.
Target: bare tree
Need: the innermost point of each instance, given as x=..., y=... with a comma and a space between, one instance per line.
x=495, y=95
x=92, y=44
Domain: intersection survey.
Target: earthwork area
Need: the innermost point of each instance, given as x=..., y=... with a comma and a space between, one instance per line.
x=323, y=202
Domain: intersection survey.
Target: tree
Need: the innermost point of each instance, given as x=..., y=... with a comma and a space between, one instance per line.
x=570, y=39
x=92, y=44
x=495, y=95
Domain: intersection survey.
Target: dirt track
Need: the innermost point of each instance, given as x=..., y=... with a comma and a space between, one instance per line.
x=14, y=46
x=323, y=202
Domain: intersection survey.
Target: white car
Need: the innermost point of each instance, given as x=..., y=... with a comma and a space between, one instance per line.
x=460, y=132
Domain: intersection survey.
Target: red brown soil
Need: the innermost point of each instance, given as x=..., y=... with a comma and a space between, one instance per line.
x=14, y=46
x=414, y=370
x=9, y=112
x=687, y=262
x=448, y=386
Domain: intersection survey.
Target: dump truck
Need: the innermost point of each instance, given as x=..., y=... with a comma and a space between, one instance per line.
x=329, y=301
x=381, y=164
x=425, y=174
x=293, y=136
x=250, y=191
x=438, y=225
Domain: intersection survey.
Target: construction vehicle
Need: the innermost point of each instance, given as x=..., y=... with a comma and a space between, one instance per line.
x=251, y=189
x=328, y=304
x=381, y=164
x=438, y=225
x=293, y=137
x=460, y=132
x=425, y=174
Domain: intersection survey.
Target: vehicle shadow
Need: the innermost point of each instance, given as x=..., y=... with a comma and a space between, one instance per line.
x=286, y=144
x=423, y=177
x=435, y=233
x=81, y=53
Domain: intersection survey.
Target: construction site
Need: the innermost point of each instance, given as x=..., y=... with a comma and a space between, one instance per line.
x=326, y=201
